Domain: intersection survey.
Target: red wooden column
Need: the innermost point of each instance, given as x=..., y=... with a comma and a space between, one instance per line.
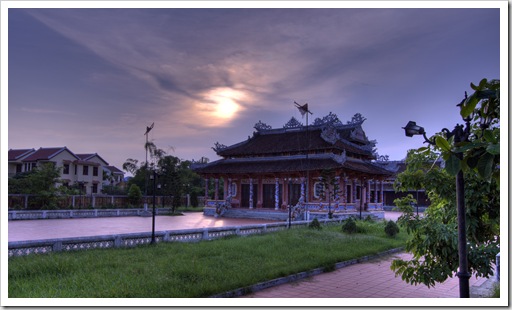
x=286, y=190
x=376, y=192
x=382, y=191
x=216, y=188
x=260, y=193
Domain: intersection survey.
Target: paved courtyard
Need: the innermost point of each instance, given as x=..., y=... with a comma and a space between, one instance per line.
x=20, y=230
x=67, y=228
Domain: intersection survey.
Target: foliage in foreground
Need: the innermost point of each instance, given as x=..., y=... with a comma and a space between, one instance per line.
x=434, y=238
x=191, y=269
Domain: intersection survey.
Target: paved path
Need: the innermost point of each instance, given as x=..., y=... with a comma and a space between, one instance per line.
x=372, y=279
x=20, y=230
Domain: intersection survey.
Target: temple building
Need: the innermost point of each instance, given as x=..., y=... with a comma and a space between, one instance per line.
x=327, y=166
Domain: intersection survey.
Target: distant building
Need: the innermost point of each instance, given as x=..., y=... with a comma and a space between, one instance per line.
x=389, y=192
x=113, y=176
x=278, y=167
x=84, y=171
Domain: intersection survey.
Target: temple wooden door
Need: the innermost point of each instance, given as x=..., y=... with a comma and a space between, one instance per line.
x=294, y=194
x=246, y=191
x=269, y=198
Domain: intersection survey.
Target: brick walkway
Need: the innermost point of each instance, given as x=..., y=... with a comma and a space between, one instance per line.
x=372, y=279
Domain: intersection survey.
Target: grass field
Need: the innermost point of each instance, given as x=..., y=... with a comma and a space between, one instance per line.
x=191, y=269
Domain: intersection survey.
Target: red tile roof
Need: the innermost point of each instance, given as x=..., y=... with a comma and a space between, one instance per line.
x=46, y=153
x=19, y=153
x=87, y=157
x=293, y=142
x=280, y=164
x=114, y=169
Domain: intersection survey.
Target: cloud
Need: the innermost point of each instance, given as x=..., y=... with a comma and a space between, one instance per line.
x=173, y=65
x=46, y=111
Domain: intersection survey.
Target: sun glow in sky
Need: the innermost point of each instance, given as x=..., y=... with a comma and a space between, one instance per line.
x=226, y=102
x=219, y=106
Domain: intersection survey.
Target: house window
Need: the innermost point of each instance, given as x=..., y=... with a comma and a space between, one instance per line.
x=19, y=167
x=318, y=189
x=65, y=169
x=76, y=167
x=95, y=188
x=85, y=170
x=29, y=166
x=95, y=171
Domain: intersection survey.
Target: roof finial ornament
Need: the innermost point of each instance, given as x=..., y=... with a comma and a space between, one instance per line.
x=260, y=126
x=218, y=147
x=293, y=123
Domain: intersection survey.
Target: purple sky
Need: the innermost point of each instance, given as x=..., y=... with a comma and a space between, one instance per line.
x=93, y=79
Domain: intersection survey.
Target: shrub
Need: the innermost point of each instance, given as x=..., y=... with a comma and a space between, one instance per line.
x=391, y=229
x=349, y=226
x=369, y=219
x=134, y=194
x=315, y=224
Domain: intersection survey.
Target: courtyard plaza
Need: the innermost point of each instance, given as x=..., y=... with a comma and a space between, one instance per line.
x=371, y=279
x=22, y=230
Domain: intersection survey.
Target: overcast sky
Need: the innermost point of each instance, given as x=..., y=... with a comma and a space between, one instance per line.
x=93, y=79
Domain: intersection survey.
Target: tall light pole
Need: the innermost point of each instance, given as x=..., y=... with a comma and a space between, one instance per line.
x=153, y=177
x=148, y=129
x=459, y=134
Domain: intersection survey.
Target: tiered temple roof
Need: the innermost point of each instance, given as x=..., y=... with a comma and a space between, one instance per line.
x=327, y=144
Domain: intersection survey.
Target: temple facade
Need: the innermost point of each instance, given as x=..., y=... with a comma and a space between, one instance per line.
x=324, y=167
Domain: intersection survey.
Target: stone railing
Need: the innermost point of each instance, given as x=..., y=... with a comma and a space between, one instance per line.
x=96, y=201
x=66, y=214
x=22, y=248
x=318, y=206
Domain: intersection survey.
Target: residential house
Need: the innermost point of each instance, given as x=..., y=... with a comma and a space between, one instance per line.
x=82, y=170
x=15, y=160
x=113, y=176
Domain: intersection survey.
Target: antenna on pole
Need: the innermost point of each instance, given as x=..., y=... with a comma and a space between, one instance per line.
x=148, y=129
x=304, y=110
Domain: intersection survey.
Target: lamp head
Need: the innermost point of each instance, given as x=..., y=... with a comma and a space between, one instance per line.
x=411, y=129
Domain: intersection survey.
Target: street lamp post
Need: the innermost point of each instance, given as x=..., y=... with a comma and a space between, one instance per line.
x=153, y=177
x=459, y=134
x=289, y=203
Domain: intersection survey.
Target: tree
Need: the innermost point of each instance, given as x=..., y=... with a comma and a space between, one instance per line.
x=481, y=153
x=40, y=181
x=433, y=239
x=173, y=174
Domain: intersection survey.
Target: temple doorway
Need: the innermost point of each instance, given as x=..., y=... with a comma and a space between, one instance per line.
x=246, y=192
x=269, y=196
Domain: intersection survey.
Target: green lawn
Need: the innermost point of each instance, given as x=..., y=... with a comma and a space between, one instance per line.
x=191, y=269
